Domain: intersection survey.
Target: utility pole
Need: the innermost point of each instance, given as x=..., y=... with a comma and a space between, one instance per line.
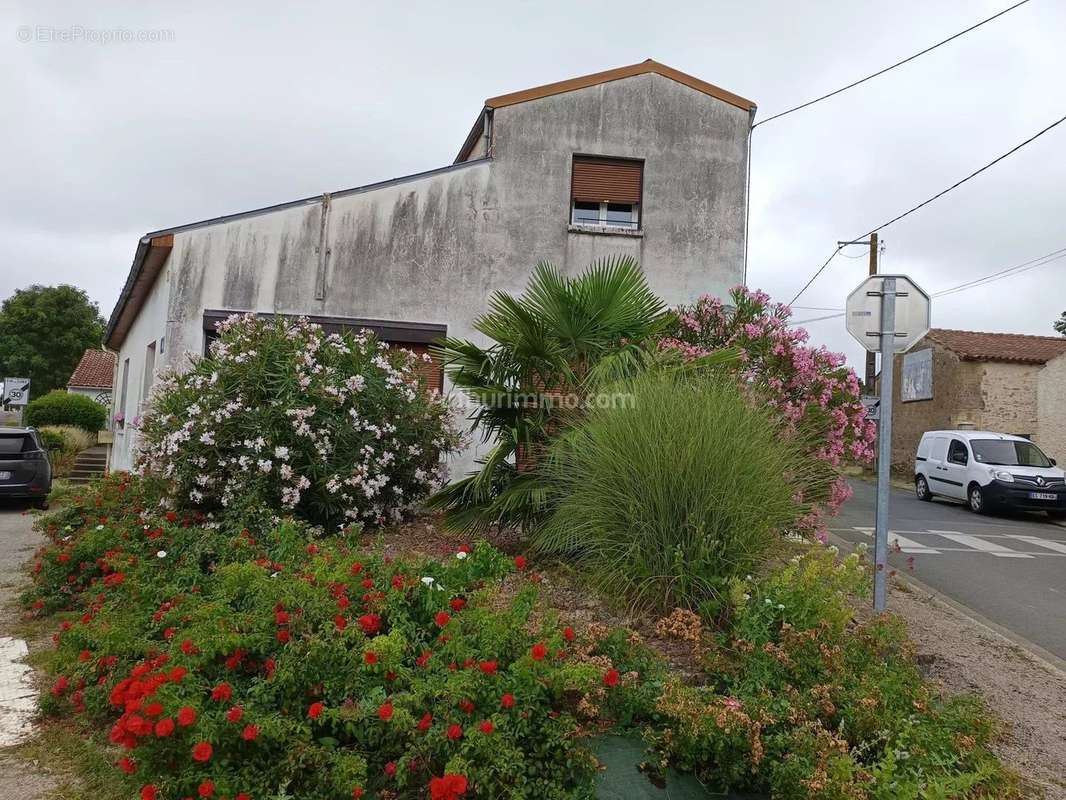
x=871, y=357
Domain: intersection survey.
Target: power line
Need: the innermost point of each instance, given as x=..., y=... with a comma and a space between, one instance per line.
x=889, y=68
x=924, y=203
x=1009, y=272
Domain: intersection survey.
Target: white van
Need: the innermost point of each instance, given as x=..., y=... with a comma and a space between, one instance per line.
x=989, y=470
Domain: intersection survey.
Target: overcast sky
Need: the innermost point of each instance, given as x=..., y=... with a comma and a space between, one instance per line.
x=239, y=107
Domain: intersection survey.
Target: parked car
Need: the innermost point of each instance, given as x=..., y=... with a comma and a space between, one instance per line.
x=25, y=470
x=989, y=470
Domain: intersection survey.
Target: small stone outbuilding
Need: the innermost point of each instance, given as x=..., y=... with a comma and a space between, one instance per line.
x=1007, y=382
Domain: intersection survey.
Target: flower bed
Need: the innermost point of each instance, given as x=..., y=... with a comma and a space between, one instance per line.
x=236, y=664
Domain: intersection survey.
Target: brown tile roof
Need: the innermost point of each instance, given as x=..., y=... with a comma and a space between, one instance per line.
x=95, y=370
x=982, y=346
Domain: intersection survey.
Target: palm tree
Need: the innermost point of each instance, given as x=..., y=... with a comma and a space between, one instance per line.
x=563, y=337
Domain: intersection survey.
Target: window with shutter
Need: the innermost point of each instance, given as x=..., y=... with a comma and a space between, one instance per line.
x=606, y=192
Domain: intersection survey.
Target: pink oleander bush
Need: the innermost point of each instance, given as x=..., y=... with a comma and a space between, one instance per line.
x=810, y=387
x=337, y=428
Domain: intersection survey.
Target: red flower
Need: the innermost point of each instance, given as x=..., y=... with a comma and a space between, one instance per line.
x=281, y=617
x=202, y=752
x=367, y=583
x=186, y=716
x=357, y=792
x=153, y=709
x=385, y=712
x=283, y=635
x=520, y=562
x=243, y=796
x=222, y=692
x=171, y=516
x=250, y=733
x=206, y=789
x=149, y=792
x=370, y=657
x=397, y=581
x=455, y=732
x=610, y=677
x=423, y=659
x=507, y=701
x=448, y=787
x=538, y=651
x=234, y=714
x=316, y=709
x=84, y=655
x=457, y=603
x=168, y=633
x=164, y=727
x=568, y=633
x=340, y=622
x=425, y=723
x=466, y=706
x=390, y=768
x=465, y=548
x=188, y=648
x=488, y=667
x=127, y=765
x=356, y=568
x=486, y=726
x=370, y=623
x=177, y=674
x=442, y=618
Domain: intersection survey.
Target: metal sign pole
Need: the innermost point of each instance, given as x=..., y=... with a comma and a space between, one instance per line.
x=884, y=441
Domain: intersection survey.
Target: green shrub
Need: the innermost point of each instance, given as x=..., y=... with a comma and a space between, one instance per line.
x=60, y=407
x=257, y=663
x=52, y=438
x=682, y=487
x=802, y=701
x=283, y=418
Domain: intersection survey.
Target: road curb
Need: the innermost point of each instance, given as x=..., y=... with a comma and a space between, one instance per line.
x=1041, y=656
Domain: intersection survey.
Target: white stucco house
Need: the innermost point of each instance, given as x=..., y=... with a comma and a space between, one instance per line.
x=642, y=160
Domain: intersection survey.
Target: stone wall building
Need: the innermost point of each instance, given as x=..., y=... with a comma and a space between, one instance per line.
x=1004, y=382
x=642, y=161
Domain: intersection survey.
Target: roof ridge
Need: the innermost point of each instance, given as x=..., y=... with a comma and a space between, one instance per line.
x=1002, y=333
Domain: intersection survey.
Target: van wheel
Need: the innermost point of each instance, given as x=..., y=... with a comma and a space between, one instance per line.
x=977, y=500
x=921, y=489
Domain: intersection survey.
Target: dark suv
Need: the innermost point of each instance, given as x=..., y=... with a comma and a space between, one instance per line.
x=25, y=470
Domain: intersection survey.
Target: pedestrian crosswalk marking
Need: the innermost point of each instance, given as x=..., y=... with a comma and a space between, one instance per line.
x=902, y=543
x=1058, y=547
x=977, y=543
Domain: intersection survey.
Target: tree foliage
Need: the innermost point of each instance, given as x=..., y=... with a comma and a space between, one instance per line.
x=1060, y=324
x=43, y=332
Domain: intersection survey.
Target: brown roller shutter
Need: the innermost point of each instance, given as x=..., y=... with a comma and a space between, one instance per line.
x=607, y=180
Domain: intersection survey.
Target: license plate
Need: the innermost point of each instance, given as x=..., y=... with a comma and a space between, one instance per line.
x=1032, y=495
x=5, y=476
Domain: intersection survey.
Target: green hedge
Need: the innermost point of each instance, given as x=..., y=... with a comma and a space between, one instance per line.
x=60, y=407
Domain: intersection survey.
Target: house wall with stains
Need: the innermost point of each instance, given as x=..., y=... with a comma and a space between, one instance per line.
x=434, y=247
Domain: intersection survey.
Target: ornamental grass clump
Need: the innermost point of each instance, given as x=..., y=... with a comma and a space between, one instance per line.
x=690, y=484
x=280, y=416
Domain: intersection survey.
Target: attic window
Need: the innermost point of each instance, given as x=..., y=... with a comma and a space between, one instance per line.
x=606, y=192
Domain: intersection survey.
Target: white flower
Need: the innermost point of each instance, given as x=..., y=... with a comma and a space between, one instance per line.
x=780, y=607
x=768, y=601
x=265, y=464
x=747, y=597
x=99, y=527
x=207, y=438
x=428, y=581
x=460, y=556
x=281, y=452
x=161, y=554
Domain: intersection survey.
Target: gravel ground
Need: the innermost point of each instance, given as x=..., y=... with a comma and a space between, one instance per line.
x=1028, y=694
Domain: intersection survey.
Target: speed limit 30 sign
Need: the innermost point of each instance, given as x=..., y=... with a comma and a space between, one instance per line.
x=16, y=391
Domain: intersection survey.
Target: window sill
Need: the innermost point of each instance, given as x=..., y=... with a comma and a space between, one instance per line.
x=605, y=230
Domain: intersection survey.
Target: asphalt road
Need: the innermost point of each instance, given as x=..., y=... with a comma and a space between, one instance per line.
x=1009, y=568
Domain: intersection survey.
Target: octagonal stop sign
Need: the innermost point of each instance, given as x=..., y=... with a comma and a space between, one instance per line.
x=863, y=312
